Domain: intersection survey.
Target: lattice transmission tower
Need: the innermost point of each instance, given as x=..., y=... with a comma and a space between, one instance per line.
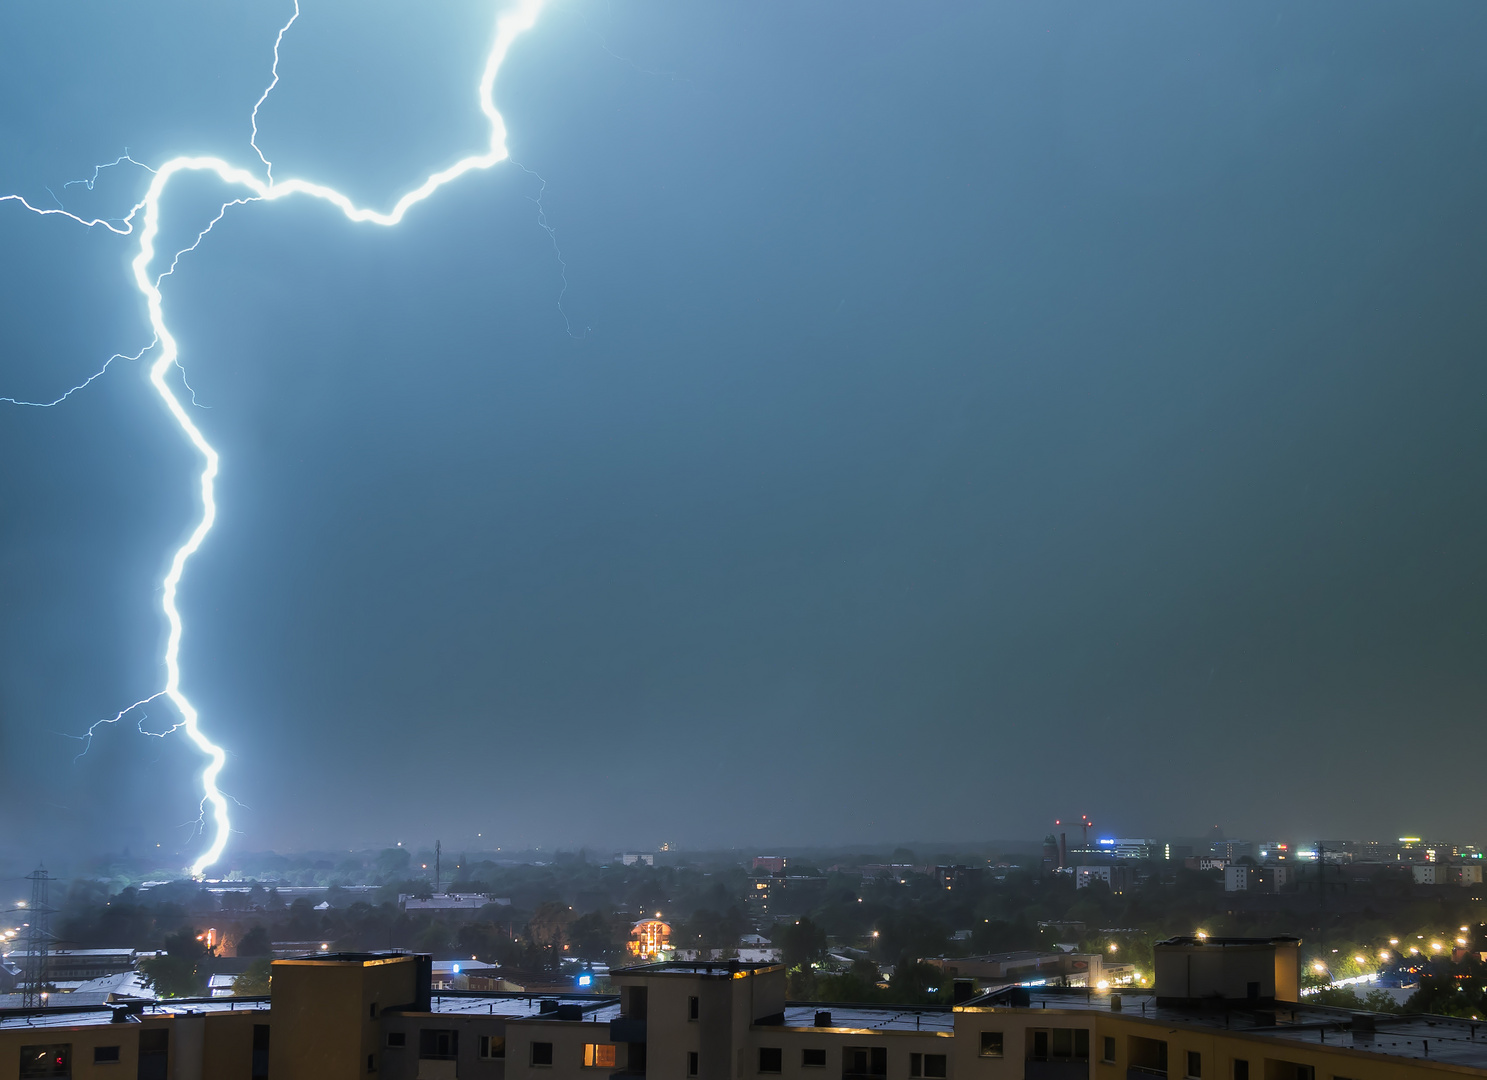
x=38, y=941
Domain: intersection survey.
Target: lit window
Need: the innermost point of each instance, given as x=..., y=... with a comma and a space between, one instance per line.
x=991, y=1044
x=39, y=1062
x=492, y=1047
x=596, y=1055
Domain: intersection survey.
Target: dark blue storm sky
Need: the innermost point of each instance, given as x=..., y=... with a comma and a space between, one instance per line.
x=980, y=413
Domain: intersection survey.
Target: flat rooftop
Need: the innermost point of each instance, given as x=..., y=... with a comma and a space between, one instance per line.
x=869, y=1017
x=61, y=1016
x=1427, y=1038
x=720, y=968
x=594, y=1010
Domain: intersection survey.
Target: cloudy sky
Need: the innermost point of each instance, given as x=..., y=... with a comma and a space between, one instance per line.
x=957, y=416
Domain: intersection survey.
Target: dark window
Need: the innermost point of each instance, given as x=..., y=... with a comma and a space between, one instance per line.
x=374, y=1010
x=154, y=1053
x=813, y=1059
x=916, y=1064
x=991, y=1044
x=864, y=1061
x=1148, y=1055
x=46, y=1061
x=438, y=1044
x=1059, y=1044
x=260, y=1053
x=771, y=1059
x=105, y=1055
x=397, y=1038
x=372, y=1059
x=934, y=1066
x=692, y=1060
x=1252, y=991
x=1109, y=1055
x=542, y=1053
x=492, y=1047
x=1306, y=1072
x=1241, y=1069
x=693, y=1007
x=1195, y=1064
x=637, y=1007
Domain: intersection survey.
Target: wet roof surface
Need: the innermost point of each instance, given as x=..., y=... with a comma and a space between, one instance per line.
x=595, y=1010
x=63, y=1017
x=1432, y=1038
x=893, y=1018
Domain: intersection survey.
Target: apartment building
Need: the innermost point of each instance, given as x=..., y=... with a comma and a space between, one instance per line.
x=344, y=1016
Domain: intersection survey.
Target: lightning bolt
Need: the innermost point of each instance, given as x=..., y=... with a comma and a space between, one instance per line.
x=510, y=25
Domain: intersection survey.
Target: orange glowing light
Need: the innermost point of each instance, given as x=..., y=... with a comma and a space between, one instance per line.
x=648, y=938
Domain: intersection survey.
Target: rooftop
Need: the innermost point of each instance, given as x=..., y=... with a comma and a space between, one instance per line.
x=346, y=957
x=1190, y=939
x=64, y=1016
x=716, y=968
x=871, y=1017
x=592, y=1009
x=1434, y=1038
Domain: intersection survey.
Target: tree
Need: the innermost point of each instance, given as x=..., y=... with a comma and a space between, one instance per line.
x=548, y=931
x=917, y=983
x=175, y=972
x=912, y=932
x=802, y=943
x=255, y=943
x=393, y=862
x=254, y=981
x=597, y=936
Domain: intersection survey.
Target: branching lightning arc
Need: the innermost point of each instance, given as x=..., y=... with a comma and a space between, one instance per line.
x=510, y=25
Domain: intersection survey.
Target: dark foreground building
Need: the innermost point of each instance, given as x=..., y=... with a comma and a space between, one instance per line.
x=1222, y=1011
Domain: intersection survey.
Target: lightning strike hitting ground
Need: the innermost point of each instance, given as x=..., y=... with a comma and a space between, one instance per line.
x=510, y=25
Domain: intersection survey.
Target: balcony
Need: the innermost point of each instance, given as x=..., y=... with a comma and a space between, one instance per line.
x=627, y=1029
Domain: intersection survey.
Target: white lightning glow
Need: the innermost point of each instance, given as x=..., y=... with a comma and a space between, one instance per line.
x=510, y=25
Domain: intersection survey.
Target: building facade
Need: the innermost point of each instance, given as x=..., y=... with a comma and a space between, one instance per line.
x=335, y=1017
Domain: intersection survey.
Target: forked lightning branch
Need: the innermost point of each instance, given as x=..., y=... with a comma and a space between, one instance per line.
x=143, y=220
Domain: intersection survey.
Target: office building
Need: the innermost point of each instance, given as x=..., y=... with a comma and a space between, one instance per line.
x=1114, y=876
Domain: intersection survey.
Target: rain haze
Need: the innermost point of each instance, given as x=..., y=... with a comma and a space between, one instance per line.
x=893, y=421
